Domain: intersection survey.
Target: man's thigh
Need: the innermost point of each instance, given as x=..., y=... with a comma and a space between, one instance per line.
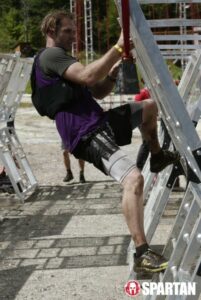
x=124, y=119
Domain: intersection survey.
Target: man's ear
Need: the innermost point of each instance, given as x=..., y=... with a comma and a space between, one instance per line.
x=51, y=33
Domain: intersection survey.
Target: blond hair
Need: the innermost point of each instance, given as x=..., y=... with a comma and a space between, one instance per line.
x=52, y=21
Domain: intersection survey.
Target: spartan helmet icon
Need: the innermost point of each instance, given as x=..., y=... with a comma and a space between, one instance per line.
x=133, y=288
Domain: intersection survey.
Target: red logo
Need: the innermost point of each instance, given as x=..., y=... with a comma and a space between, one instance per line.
x=132, y=288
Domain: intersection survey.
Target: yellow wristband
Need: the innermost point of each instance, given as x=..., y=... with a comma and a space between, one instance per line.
x=118, y=48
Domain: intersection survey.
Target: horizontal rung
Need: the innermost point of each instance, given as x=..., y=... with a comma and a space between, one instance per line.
x=167, y=57
x=180, y=47
x=168, y=1
x=177, y=37
x=175, y=52
x=174, y=22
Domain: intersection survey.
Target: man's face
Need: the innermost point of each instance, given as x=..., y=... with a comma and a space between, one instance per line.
x=65, y=36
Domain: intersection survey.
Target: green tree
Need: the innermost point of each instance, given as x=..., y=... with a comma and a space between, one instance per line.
x=36, y=14
x=105, y=25
x=11, y=29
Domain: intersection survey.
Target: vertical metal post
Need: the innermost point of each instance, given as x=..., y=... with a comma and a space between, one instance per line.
x=73, y=11
x=183, y=31
x=88, y=31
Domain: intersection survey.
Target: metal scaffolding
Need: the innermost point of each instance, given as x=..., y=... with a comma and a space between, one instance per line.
x=76, y=9
x=88, y=31
x=183, y=31
x=176, y=44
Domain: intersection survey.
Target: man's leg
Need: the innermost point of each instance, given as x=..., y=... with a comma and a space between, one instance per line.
x=149, y=125
x=105, y=154
x=142, y=155
x=159, y=158
x=132, y=203
x=69, y=174
x=146, y=260
x=81, y=165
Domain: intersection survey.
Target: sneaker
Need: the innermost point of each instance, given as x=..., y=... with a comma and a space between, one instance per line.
x=150, y=262
x=161, y=160
x=82, y=178
x=68, y=177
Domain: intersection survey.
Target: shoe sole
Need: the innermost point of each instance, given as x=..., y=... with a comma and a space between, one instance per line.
x=147, y=270
x=68, y=180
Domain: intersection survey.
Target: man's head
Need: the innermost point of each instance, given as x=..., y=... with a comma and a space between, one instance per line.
x=60, y=28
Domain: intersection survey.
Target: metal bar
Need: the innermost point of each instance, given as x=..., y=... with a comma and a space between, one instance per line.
x=174, y=23
x=177, y=37
x=180, y=47
x=168, y=1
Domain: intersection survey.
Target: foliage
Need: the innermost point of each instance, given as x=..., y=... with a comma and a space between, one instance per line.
x=11, y=29
x=175, y=70
x=106, y=25
x=20, y=20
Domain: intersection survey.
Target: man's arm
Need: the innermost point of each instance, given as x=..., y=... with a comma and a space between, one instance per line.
x=102, y=88
x=96, y=71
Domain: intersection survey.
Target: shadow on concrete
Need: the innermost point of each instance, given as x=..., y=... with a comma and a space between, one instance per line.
x=40, y=219
x=115, y=258
x=12, y=280
x=14, y=229
x=59, y=192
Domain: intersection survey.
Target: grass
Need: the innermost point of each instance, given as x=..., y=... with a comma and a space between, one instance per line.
x=28, y=88
x=174, y=70
x=25, y=105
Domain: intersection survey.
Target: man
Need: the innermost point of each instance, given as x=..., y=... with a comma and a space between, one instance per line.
x=63, y=89
x=69, y=174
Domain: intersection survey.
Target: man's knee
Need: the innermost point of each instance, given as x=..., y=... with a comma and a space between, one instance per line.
x=134, y=181
x=150, y=110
